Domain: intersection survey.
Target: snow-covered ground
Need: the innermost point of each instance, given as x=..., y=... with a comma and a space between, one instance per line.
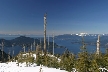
x=13, y=67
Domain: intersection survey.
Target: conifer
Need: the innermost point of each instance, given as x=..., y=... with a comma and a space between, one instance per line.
x=83, y=62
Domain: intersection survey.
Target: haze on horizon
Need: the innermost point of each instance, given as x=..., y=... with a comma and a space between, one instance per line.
x=63, y=17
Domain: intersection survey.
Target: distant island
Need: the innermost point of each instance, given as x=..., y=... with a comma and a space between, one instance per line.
x=27, y=41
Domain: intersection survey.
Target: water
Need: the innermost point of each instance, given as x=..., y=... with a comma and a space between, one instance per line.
x=74, y=48
x=8, y=38
x=16, y=49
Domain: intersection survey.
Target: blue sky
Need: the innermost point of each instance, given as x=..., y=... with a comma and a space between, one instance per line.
x=63, y=16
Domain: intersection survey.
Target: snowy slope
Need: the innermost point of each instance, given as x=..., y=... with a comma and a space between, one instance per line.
x=13, y=67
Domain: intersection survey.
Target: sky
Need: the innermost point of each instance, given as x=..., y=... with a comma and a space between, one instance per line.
x=63, y=16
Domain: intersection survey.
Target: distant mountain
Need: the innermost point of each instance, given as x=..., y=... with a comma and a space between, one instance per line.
x=19, y=41
x=27, y=41
x=7, y=43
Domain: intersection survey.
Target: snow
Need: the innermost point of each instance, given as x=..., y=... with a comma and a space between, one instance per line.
x=13, y=67
x=32, y=55
x=103, y=69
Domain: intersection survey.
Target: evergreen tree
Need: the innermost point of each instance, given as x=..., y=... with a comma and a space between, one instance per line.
x=94, y=65
x=105, y=60
x=83, y=61
x=67, y=61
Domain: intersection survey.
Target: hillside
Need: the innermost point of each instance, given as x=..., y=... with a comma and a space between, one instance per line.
x=27, y=41
x=5, y=57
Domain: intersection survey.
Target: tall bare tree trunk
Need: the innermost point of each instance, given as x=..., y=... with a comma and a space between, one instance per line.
x=45, y=34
